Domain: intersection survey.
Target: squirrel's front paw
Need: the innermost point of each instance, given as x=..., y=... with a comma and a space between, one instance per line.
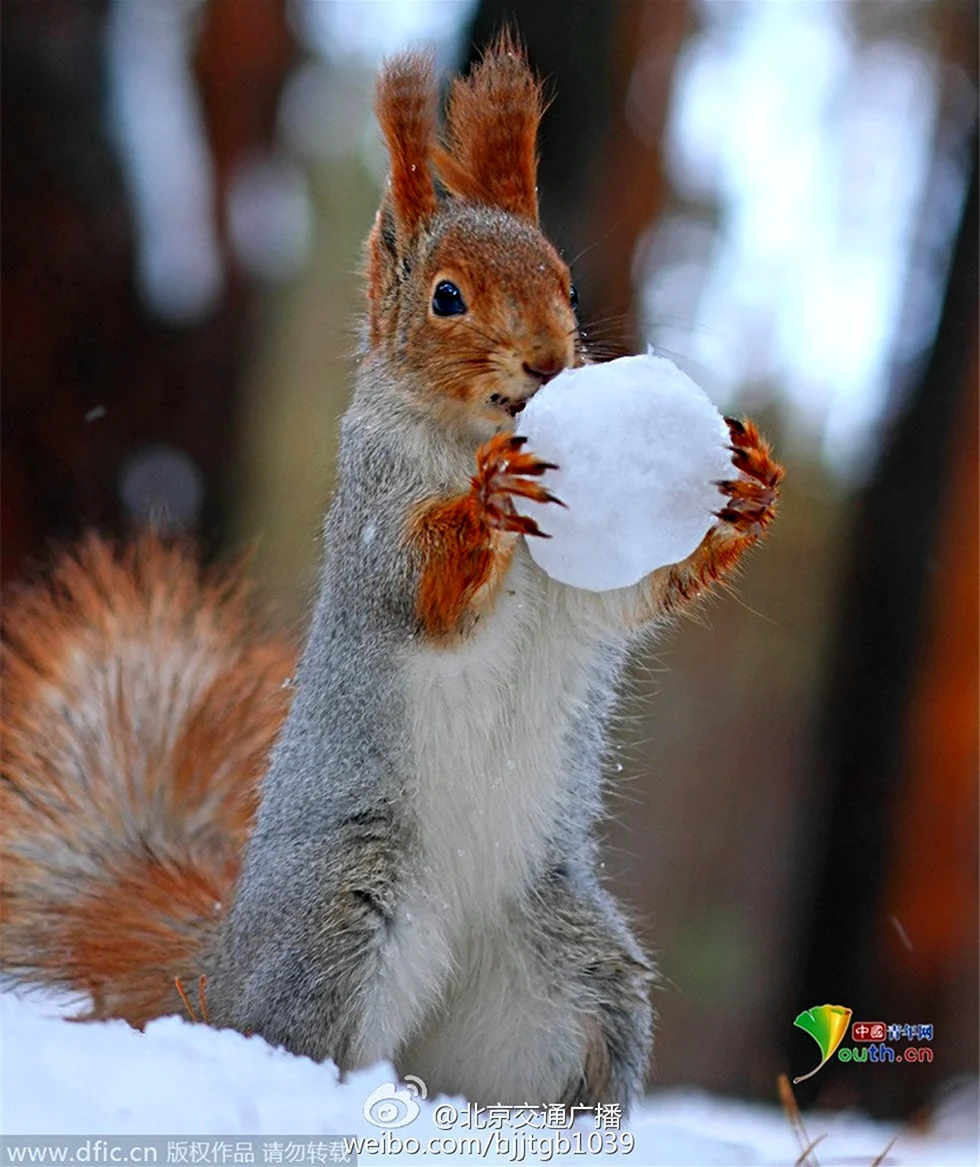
x=503, y=471
x=751, y=503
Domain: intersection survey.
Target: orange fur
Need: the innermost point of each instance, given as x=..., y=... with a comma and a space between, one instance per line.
x=182, y=992
x=140, y=701
x=466, y=543
x=492, y=128
x=459, y=557
x=405, y=104
x=406, y=107
x=488, y=351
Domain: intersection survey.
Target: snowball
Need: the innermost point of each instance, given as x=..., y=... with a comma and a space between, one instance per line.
x=640, y=448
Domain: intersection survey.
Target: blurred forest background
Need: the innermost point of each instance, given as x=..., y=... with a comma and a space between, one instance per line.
x=781, y=195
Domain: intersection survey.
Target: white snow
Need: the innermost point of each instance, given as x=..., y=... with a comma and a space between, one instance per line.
x=180, y=1079
x=639, y=448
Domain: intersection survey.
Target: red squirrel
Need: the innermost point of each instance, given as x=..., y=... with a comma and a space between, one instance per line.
x=388, y=849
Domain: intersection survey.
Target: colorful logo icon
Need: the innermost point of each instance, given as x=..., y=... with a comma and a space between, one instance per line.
x=827, y=1025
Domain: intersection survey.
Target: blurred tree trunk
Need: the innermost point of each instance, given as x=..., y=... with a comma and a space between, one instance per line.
x=924, y=963
x=242, y=56
x=876, y=751
x=91, y=379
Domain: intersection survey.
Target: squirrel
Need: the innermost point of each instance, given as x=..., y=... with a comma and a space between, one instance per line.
x=386, y=850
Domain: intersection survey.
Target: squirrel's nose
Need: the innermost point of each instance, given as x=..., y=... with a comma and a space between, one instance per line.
x=543, y=368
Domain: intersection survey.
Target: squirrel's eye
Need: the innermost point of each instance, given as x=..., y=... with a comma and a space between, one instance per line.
x=573, y=297
x=447, y=300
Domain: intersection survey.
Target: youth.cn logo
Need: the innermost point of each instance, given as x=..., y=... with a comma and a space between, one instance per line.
x=827, y=1025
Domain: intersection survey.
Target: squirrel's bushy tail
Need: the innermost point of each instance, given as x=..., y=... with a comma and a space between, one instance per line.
x=140, y=701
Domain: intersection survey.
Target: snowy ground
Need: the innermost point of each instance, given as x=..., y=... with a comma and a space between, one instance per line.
x=180, y=1079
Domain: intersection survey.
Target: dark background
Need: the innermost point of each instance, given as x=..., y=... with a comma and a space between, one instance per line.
x=185, y=186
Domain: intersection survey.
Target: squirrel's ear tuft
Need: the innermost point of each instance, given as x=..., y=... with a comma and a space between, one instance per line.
x=492, y=129
x=405, y=102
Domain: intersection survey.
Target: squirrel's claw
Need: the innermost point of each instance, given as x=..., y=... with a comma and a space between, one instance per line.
x=751, y=454
x=503, y=473
x=751, y=498
x=513, y=461
x=522, y=524
x=532, y=490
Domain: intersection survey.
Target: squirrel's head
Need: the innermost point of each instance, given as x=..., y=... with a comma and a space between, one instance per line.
x=463, y=288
